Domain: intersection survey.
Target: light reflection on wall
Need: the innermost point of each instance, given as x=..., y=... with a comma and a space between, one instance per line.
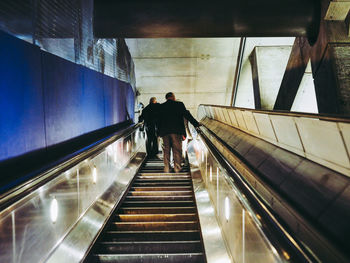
x=94, y=174
x=54, y=210
x=242, y=231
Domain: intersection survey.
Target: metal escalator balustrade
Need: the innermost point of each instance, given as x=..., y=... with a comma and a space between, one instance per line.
x=304, y=185
x=55, y=216
x=251, y=231
x=157, y=221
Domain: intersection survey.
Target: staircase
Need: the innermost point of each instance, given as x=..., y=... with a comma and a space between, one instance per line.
x=157, y=222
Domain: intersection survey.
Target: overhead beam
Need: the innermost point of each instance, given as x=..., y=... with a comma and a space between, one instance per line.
x=194, y=18
x=255, y=76
x=238, y=70
x=293, y=75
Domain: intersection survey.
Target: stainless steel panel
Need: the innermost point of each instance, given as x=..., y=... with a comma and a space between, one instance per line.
x=78, y=241
x=214, y=243
x=240, y=226
x=34, y=226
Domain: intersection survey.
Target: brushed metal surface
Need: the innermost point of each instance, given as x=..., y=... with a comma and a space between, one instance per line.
x=240, y=230
x=78, y=241
x=32, y=227
x=214, y=244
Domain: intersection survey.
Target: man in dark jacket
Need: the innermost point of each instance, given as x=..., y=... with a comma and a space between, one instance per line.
x=149, y=116
x=172, y=129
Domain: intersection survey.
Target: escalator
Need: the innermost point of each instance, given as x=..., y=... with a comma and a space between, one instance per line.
x=107, y=204
x=156, y=222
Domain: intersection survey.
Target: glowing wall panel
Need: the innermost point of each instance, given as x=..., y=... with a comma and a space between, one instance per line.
x=46, y=100
x=92, y=104
x=21, y=96
x=63, y=91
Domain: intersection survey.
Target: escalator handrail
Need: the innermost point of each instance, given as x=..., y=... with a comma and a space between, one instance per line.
x=280, y=238
x=320, y=116
x=13, y=195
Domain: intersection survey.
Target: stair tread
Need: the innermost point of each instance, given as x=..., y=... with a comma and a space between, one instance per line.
x=157, y=221
x=162, y=173
x=156, y=202
x=151, y=242
x=157, y=197
x=154, y=254
x=163, y=188
x=152, y=231
x=155, y=217
x=138, y=181
x=155, y=207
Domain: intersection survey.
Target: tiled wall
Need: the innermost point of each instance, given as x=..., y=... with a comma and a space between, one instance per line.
x=323, y=140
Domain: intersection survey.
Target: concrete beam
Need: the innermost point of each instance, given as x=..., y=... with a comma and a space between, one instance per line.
x=255, y=76
x=337, y=19
x=293, y=75
x=268, y=65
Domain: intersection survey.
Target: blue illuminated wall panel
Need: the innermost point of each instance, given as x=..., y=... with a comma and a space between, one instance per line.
x=21, y=108
x=46, y=100
x=109, y=103
x=92, y=105
x=130, y=100
x=63, y=93
x=119, y=109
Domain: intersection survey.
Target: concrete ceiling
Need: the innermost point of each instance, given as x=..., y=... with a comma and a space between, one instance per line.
x=197, y=70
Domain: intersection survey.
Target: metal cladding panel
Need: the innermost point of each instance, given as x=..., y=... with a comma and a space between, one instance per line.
x=121, y=107
x=109, y=100
x=118, y=100
x=63, y=91
x=92, y=106
x=21, y=110
x=46, y=100
x=127, y=104
x=64, y=28
x=130, y=100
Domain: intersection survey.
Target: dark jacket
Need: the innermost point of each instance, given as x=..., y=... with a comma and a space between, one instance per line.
x=171, y=118
x=150, y=115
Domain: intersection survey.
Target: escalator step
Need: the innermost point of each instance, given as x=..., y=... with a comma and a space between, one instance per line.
x=149, y=247
x=157, y=221
x=159, y=193
x=162, y=173
x=155, y=217
x=157, y=210
x=150, y=258
x=164, y=188
x=160, y=169
x=154, y=226
x=151, y=235
x=164, y=177
x=162, y=180
x=160, y=198
x=160, y=184
x=157, y=203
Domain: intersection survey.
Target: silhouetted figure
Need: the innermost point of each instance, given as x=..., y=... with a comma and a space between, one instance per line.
x=149, y=116
x=172, y=129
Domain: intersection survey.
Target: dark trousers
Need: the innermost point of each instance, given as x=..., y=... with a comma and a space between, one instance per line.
x=172, y=142
x=151, y=142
